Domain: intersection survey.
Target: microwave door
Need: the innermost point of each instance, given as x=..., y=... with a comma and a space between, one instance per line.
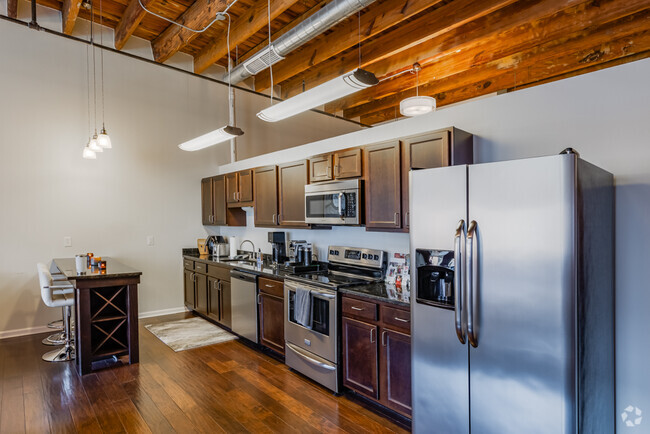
x=323, y=208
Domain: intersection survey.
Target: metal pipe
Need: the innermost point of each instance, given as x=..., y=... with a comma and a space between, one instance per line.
x=329, y=16
x=33, y=24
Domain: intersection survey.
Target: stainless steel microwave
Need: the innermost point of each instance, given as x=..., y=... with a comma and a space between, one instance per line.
x=334, y=202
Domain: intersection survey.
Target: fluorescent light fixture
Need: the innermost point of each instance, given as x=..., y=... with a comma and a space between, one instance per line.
x=334, y=89
x=211, y=138
x=89, y=154
x=417, y=105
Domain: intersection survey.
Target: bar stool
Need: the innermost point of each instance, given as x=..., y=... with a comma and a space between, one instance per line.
x=57, y=324
x=57, y=294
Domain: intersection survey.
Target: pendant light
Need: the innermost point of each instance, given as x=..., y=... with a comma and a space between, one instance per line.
x=103, y=140
x=88, y=152
x=417, y=105
x=224, y=133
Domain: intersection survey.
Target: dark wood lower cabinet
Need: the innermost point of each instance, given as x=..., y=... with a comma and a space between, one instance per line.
x=360, y=369
x=219, y=301
x=189, y=289
x=376, y=355
x=271, y=317
x=396, y=370
x=201, y=290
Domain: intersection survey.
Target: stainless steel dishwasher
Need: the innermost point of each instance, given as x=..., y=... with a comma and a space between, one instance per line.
x=243, y=301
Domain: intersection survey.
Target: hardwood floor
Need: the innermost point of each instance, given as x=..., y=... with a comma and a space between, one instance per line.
x=227, y=387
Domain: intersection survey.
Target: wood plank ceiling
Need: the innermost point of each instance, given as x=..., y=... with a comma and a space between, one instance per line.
x=467, y=48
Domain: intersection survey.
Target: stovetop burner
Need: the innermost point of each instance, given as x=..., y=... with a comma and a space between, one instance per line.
x=329, y=279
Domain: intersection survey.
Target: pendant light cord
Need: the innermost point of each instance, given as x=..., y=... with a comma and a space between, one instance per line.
x=359, y=42
x=230, y=114
x=88, y=86
x=101, y=44
x=92, y=46
x=268, y=12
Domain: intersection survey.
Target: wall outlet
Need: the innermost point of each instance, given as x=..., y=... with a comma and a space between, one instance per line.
x=150, y=240
x=67, y=241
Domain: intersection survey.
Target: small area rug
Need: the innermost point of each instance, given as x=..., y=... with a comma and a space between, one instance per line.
x=189, y=333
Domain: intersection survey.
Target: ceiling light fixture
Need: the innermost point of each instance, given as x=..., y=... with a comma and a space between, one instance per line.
x=334, y=89
x=417, y=105
x=224, y=133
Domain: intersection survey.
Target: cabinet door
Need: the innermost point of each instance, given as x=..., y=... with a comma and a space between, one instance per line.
x=360, y=357
x=226, y=310
x=320, y=168
x=428, y=151
x=214, y=298
x=383, y=186
x=219, y=200
x=201, y=285
x=347, y=164
x=265, y=184
x=396, y=371
x=232, y=188
x=292, y=180
x=189, y=289
x=271, y=315
x=246, y=185
x=206, y=201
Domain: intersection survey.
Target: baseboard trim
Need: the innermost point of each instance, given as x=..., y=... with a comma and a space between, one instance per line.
x=161, y=312
x=44, y=329
x=24, y=332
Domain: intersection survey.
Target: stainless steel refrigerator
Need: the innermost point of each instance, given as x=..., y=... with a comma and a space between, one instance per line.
x=513, y=297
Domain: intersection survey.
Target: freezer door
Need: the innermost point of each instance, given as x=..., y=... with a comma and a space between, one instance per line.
x=523, y=304
x=438, y=200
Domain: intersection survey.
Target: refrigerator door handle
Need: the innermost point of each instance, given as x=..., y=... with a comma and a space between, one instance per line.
x=458, y=282
x=472, y=285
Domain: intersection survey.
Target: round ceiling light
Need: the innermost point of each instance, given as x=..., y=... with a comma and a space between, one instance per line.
x=417, y=105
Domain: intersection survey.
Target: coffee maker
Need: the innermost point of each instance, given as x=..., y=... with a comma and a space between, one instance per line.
x=279, y=242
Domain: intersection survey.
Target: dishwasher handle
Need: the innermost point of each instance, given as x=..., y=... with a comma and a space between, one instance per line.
x=241, y=275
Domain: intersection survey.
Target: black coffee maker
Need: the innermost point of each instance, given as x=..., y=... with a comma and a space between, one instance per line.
x=279, y=242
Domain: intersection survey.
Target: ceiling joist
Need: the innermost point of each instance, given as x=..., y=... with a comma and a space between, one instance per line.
x=69, y=13
x=12, y=9
x=133, y=15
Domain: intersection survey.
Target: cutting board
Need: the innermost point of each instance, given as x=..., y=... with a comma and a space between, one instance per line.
x=203, y=247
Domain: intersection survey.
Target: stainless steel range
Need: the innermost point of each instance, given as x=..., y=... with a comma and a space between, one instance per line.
x=311, y=310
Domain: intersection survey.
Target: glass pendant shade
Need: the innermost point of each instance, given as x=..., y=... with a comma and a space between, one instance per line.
x=93, y=145
x=89, y=154
x=417, y=105
x=211, y=138
x=334, y=89
x=103, y=140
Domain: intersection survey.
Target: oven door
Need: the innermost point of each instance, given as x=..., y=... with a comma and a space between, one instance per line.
x=340, y=207
x=321, y=338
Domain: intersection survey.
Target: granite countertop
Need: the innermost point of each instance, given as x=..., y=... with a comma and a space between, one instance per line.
x=380, y=291
x=265, y=270
x=113, y=269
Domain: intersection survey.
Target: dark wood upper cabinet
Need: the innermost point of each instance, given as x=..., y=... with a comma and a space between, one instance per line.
x=395, y=377
x=246, y=186
x=207, y=214
x=360, y=369
x=339, y=165
x=221, y=214
x=292, y=178
x=383, y=186
x=347, y=164
x=232, y=187
x=320, y=168
x=265, y=183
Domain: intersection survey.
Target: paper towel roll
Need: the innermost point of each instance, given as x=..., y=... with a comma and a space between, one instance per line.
x=233, y=246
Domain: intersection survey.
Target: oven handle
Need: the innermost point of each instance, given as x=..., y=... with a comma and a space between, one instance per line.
x=314, y=292
x=313, y=361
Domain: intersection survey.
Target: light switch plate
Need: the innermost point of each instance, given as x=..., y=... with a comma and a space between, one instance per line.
x=67, y=241
x=150, y=240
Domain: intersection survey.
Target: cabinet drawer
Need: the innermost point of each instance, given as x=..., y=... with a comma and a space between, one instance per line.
x=272, y=287
x=219, y=271
x=188, y=264
x=359, y=309
x=396, y=318
x=200, y=267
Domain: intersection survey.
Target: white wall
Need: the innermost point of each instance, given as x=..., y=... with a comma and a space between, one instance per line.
x=605, y=115
x=143, y=186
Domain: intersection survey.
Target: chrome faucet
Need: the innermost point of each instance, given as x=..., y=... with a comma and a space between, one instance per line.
x=248, y=241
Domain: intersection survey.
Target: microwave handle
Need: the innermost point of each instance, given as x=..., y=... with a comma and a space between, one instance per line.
x=341, y=196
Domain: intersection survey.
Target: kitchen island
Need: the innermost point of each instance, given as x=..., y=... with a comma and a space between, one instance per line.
x=106, y=311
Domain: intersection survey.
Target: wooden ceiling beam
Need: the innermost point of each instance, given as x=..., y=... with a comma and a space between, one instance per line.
x=377, y=18
x=12, y=9
x=69, y=13
x=629, y=36
x=241, y=29
x=130, y=21
x=404, y=37
x=484, y=48
x=174, y=37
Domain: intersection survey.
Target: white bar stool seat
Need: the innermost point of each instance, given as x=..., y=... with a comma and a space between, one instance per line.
x=58, y=294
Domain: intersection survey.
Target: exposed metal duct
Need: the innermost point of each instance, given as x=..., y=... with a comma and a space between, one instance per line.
x=328, y=17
